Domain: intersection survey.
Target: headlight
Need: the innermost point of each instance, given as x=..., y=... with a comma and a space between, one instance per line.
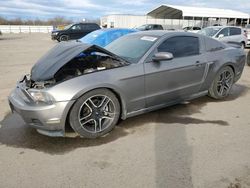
x=55, y=33
x=41, y=96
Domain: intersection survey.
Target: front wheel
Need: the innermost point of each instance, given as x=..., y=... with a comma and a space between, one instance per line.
x=63, y=38
x=222, y=83
x=95, y=113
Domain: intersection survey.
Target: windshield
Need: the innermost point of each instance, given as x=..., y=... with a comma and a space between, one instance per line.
x=68, y=26
x=209, y=31
x=131, y=47
x=91, y=37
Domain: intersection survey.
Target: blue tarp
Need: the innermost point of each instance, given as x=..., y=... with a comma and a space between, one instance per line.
x=103, y=37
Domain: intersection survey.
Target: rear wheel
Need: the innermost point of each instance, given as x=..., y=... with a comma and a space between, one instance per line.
x=248, y=58
x=222, y=83
x=242, y=45
x=95, y=113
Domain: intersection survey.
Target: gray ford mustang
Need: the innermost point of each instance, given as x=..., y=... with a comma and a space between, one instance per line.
x=89, y=88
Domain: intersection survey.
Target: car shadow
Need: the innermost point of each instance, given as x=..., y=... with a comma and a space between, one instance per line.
x=173, y=152
x=15, y=133
x=9, y=38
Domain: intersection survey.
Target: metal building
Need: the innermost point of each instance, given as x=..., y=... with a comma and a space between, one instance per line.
x=177, y=17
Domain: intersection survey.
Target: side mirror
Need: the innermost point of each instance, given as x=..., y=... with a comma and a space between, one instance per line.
x=221, y=36
x=162, y=56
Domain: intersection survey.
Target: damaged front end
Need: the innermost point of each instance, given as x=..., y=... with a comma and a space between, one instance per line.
x=33, y=98
x=68, y=60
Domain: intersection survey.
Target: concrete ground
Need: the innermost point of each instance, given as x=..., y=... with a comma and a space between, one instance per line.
x=203, y=144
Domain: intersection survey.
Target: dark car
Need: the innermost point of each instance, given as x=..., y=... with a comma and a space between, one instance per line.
x=74, y=31
x=90, y=88
x=148, y=27
x=192, y=29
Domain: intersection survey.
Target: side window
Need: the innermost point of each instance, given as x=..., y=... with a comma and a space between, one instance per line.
x=160, y=27
x=149, y=27
x=156, y=27
x=196, y=28
x=91, y=27
x=180, y=46
x=235, y=31
x=224, y=32
x=76, y=27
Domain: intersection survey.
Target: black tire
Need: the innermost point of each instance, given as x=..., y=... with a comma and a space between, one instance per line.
x=63, y=38
x=248, y=58
x=243, y=45
x=95, y=113
x=222, y=84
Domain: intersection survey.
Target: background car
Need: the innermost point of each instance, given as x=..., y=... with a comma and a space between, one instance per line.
x=192, y=29
x=74, y=31
x=226, y=34
x=248, y=35
x=134, y=74
x=147, y=27
x=103, y=37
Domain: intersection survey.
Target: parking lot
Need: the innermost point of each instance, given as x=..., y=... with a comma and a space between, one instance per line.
x=199, y=144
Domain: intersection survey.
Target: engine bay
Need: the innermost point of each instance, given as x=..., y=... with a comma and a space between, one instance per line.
x=86, y=62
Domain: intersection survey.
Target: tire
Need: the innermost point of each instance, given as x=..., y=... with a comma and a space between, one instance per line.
x=63, y=38
x=248, y=58
x=95, y=113
x=243, y=45
x=222, y=84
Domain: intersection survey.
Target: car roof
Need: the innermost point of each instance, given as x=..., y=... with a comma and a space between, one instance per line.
x=117, y=29
x=221, y=27
x=161, y=33
x=84, y=23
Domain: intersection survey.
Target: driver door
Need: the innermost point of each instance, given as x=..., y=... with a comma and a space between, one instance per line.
x=75, y=31
x=223, y=35
x=171, y=80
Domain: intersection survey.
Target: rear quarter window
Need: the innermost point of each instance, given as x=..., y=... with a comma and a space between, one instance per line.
x=91, y=27
x=213, y=45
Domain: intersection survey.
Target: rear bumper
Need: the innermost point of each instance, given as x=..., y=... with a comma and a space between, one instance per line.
x=48, y=119
x=248, y=43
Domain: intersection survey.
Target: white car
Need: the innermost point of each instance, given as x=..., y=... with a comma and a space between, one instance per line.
x=226, y=34
x=192, y=29
x=248, y=35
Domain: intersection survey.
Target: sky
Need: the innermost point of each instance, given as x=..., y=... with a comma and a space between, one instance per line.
x=91, y=9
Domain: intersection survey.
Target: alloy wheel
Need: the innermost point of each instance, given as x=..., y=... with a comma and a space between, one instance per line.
x=224, y=83
x=96, y=113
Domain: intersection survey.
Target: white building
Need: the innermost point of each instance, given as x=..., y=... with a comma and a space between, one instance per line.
x=172, y=16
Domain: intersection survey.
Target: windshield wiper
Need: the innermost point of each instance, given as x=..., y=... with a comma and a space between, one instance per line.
x=115, y=57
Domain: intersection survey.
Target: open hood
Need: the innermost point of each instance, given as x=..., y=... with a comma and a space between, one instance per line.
x=61, y=54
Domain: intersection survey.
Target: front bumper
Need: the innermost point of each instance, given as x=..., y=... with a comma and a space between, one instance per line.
x=48, y=119
x=54, y=37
